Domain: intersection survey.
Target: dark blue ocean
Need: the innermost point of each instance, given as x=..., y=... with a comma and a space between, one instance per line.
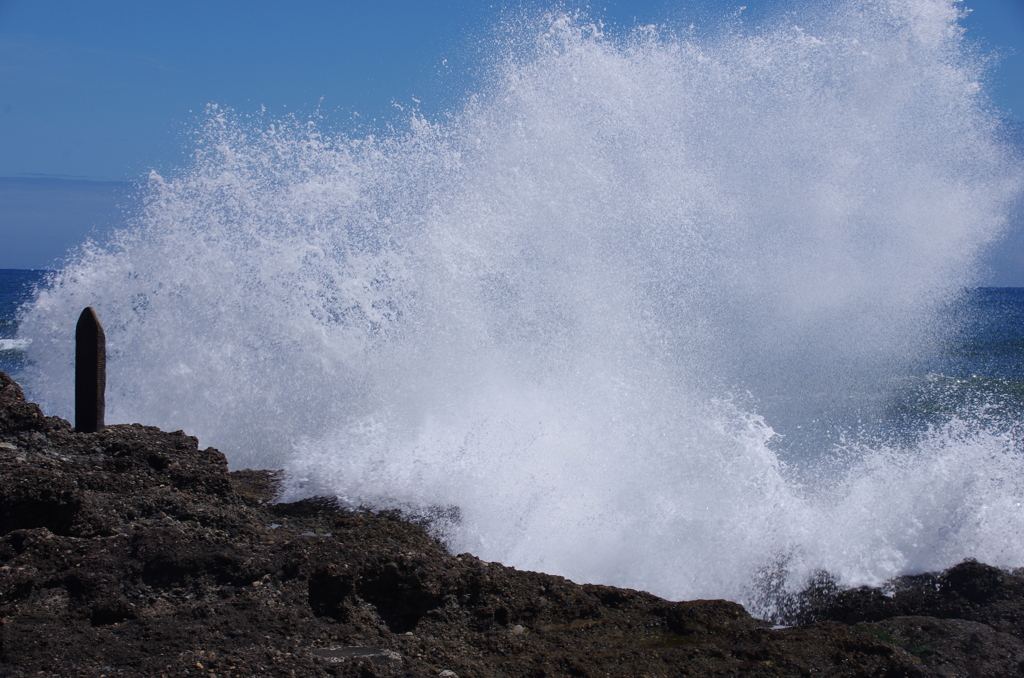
x=982, y=366
x=16, y=288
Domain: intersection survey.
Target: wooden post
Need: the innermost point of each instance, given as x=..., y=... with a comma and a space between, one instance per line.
x=90, y=372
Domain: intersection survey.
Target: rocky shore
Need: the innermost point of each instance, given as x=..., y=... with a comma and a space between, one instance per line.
x=131, y=552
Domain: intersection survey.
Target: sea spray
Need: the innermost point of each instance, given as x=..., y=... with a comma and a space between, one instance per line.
x=584, y=320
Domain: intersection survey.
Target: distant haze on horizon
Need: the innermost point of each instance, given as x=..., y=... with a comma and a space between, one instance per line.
x=95, y=95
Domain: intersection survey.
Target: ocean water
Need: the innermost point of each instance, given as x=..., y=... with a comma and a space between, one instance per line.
x=677, y=311
x=17, y=288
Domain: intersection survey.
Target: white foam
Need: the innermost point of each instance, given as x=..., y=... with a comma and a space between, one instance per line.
x=14, y=344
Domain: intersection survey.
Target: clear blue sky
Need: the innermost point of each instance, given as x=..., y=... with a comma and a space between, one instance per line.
x=107, y=89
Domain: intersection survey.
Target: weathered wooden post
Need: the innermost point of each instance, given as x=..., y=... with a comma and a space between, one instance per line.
x=90, y=372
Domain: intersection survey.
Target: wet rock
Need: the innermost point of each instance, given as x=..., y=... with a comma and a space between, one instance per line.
x=970, y=591
x=953, y=647
x=17, y=415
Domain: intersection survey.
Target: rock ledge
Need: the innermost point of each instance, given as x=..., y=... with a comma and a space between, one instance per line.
x=132, y=552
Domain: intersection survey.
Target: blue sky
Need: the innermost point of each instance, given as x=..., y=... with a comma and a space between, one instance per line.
x=106, y=90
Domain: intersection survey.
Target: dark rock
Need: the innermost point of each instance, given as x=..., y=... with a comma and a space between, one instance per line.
x=955, y=646
x=970, y=591
x=131, y=551
x=16, y=415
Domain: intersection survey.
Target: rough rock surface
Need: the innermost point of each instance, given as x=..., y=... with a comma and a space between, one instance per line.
x=132, y=552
